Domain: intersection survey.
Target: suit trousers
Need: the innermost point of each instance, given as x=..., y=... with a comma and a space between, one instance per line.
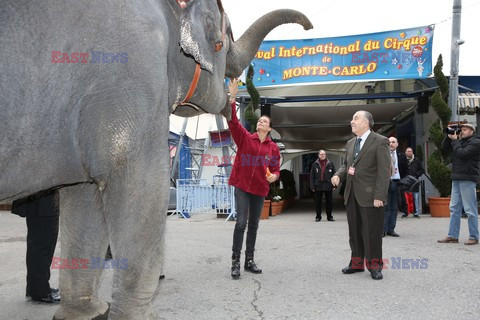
x=365, y=228
x=318, y=203
x=42, y=233
x=391, y=209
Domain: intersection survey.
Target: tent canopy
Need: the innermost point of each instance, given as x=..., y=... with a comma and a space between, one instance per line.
x=329, y=127
x=313, y=117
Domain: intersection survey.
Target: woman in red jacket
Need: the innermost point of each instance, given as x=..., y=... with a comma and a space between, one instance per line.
x=257, y=164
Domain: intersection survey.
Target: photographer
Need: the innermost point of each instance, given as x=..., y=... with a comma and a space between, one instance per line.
x=465, y=148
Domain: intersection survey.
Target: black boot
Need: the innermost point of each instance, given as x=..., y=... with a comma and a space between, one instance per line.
x=235, y=266
x=250, y=264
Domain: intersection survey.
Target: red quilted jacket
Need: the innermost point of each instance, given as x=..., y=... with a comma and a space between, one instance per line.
x=252, y=159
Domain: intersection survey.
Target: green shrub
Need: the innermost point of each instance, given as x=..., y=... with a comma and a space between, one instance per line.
x=250, y=115
x=438, y=161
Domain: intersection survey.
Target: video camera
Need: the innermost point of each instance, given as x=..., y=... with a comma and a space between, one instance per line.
x=453, y=129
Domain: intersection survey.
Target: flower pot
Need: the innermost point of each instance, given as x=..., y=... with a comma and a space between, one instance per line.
x=276, y=207
x=439, y=207
x=282, y=205
x=266, y=210
x=5, y=207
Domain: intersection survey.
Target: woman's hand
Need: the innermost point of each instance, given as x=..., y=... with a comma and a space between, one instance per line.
x=272, y=178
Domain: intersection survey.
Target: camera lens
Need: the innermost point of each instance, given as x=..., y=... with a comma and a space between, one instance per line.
x=453, y=130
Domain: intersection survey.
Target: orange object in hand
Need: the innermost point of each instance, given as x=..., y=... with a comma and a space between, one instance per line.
x=268, y=173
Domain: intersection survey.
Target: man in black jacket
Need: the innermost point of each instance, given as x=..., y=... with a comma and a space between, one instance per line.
x=465, y=148
x=320, y=184
x=42, y=215
x=415, y=168
x=400, y=170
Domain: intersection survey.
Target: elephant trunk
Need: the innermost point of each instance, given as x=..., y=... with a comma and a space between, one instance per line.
x=244, y=50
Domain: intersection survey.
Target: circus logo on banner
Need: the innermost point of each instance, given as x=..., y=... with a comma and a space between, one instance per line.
x=400, y=54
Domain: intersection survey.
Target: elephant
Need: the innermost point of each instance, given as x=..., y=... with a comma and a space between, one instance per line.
x=86, y=90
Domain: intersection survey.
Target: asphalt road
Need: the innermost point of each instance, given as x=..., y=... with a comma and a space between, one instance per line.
x=301, y=261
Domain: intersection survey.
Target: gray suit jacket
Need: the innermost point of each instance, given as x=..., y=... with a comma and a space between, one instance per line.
x=372, y=170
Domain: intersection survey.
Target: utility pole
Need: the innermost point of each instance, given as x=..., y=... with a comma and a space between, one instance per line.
x=455, y=50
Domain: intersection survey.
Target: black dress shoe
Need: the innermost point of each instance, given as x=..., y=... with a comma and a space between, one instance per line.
x=384, y=234
x=50, y=298
x=330, y=219
x=55, y=291
x=318, y=219
x=376, y=275
x=350, y=270
x=404, y=215
x=393, y=234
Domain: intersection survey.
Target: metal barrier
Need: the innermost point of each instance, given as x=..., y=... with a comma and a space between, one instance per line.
x=205, y=196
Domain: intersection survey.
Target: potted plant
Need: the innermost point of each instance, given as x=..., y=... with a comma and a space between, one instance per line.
x=277, y=201
x=5, y=207
x=266, y=209
x=438, y=161
x=276, y=205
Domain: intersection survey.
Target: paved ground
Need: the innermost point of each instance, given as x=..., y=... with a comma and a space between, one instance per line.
x=301, y=260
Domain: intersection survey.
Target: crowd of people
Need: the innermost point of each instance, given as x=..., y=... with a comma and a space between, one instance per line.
x=377, y=179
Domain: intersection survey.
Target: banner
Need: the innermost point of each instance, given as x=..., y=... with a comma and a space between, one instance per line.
x=399, y=54
x=220, y=138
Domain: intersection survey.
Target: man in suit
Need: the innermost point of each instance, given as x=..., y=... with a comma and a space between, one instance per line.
x=400, y=170
x=366, y=175
x=42, y=215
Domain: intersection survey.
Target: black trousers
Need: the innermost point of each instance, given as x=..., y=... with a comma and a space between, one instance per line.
x=249, y=208
x=328, y=203
x=365, y=229
x=41, y=241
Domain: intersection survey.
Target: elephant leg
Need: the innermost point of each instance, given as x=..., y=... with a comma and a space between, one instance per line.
x=83, y=236
x=136, y=218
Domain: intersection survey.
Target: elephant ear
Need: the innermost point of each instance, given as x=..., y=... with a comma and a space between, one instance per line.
x=200, y=28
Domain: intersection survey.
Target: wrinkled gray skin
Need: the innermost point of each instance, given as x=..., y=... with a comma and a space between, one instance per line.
x=105, y=125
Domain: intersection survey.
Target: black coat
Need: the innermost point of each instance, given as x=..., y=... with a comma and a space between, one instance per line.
x=402, y=164
x=409, y=184
x=415, y=168
x=315, y=176
x=42, y=204
x=465, y=157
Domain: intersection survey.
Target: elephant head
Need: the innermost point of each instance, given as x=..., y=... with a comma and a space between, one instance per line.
x=206, y=38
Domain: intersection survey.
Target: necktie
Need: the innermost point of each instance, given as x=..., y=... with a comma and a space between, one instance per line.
x=356, y=148
x=394, y=162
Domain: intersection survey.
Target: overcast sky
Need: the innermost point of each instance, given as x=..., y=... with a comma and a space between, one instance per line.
x=334, y=18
